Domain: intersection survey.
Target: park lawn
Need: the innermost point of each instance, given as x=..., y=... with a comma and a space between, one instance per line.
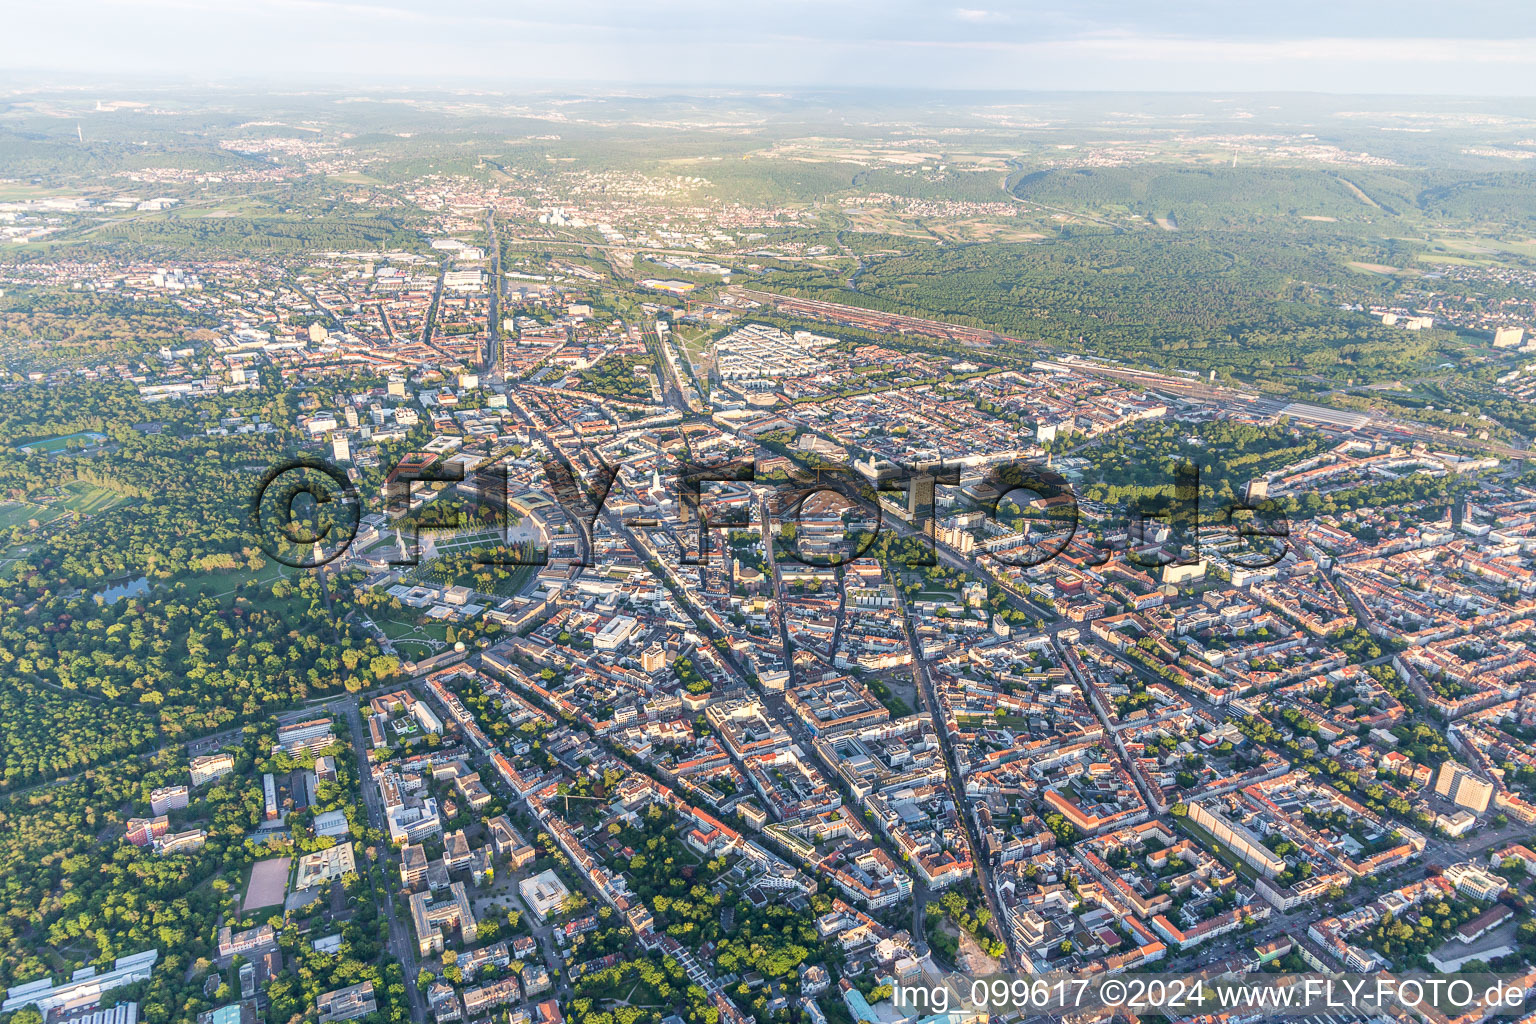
x=264, y=600
x=413, y=650
x=395, y=629
x=222, y=583
x=416, y=637
x=447, y=541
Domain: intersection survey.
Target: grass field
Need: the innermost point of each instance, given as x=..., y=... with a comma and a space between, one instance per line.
x=76, y=497
x=87, y=498
x=17, y=513
x=356, y=178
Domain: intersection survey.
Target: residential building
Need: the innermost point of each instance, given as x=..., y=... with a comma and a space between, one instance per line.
x=210, y=767
x=346, y=1003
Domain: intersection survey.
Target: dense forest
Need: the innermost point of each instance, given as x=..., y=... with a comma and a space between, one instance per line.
x=259, y=235
x=208, y=641
x=1228, y=302
x=76, y=326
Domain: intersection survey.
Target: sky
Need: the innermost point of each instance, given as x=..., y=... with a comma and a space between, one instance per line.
x=1460, y=47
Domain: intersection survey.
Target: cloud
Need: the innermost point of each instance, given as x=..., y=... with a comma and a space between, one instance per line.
x=1116, y=45
x=1144, y=48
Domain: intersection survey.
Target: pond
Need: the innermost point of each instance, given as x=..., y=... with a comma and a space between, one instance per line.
x=136, y=587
